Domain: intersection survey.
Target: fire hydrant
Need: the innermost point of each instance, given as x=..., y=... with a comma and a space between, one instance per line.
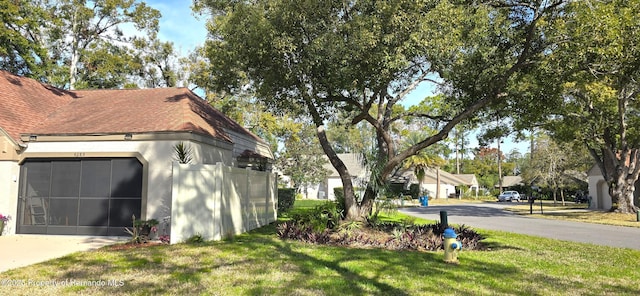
x=451, y=246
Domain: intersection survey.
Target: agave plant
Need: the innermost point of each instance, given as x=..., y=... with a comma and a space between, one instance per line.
x=183, y=153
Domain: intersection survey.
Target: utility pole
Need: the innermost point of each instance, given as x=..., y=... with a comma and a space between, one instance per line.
x=499, y=165
x=457, y=151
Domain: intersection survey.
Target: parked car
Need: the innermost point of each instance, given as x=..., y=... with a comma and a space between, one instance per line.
x=580, y=198
x=509, y=196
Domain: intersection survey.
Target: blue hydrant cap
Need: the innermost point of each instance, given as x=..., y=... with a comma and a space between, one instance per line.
x=450, y=233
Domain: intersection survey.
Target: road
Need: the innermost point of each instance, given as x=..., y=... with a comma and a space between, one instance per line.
x=493, y=216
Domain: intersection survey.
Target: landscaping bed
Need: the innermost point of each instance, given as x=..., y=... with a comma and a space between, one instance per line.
x=322, y=225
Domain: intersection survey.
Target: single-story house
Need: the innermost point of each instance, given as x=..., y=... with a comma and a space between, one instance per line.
x=325, y=189
x=599, y=190
x=448, y=182
x=83, y=162
x=510, y=181
x=471, y=181
x=360, y=176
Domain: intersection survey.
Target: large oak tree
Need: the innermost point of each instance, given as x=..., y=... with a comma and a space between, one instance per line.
x=364, y=57
x=599, y=60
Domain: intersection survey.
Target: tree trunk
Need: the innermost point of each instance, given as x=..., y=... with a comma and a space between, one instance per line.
x=75, y=51
x=438, y=182
x=350, y=204
x=620, y=170
x=622, y=191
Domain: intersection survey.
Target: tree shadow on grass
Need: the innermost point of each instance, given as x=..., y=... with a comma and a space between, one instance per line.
x=377, y=271
x=346, y=273
x=245, y=263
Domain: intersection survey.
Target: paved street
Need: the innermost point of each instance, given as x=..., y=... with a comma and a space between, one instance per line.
x=492, y=216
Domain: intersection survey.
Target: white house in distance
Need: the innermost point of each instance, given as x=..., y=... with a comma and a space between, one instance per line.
x=448, y=182
x=471, y=181
x=83, y=162
x=509, y=181
x=359, y=175
x=599, y=190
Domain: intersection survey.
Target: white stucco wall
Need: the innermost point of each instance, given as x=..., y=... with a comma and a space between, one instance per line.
x=158, y=155
x=331, y=184
x=9, y=175
x=445, y=190
x=599, y=192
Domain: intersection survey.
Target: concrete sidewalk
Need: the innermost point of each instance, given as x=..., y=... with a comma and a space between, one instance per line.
x=26, y=249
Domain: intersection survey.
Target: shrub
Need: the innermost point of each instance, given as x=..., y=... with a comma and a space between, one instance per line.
x=286, y=198
x=395, y=189
x=195, y=239
x=295, y=231
x=338, y=192
x=324, y=216
x=414, y=191
x=386, y=205
x=142, y=230
x=392, y=236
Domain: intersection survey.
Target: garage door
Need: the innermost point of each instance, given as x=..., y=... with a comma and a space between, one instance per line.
x=79, y=196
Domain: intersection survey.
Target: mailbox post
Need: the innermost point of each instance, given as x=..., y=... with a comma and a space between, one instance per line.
x=531, y=200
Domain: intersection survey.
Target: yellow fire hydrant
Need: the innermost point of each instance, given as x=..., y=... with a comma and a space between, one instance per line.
x=451, y=246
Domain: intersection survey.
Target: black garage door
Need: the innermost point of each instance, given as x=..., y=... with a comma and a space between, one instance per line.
x=90, y=196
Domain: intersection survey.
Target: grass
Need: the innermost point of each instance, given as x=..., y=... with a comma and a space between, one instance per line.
x=576, y=212
x=259, y=263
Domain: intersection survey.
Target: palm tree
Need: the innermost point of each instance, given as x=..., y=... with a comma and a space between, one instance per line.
x=423, y=160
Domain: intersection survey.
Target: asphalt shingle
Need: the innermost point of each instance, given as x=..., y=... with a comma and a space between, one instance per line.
x=30, y=107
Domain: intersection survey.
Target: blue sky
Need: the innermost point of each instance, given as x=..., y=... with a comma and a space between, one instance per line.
x=186, y=30
x=180, y=25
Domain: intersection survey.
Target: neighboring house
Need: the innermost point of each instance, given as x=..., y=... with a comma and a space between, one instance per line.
x=599, y=190
x=448, y=182
x=470, y=181
x=325, y=190
x=83, y=162
x=510, y=181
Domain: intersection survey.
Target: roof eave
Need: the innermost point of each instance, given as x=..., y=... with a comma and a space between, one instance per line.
x=17, y=145
x=142, y=136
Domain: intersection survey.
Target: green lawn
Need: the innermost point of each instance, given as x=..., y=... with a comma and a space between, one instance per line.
x=259, y=263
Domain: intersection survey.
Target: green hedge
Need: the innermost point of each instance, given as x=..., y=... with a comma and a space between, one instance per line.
x=286, y=198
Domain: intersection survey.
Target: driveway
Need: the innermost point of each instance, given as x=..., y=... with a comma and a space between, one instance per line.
x=492, y=216
x=26, y=249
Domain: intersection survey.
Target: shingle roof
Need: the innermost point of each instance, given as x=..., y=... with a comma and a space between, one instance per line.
x=25, y=103
x=35, y=108
x=430, y=177
x=508, y=181
x=468, y=179
x=353, y=162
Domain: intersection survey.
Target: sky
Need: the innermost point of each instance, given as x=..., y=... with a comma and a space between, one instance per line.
x=180, y=25
x=186, y=30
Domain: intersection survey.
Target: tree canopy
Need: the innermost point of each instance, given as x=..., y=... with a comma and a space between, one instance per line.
x=364, y=57
x=598, y=62
x=81, y=44
x=21, y=48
